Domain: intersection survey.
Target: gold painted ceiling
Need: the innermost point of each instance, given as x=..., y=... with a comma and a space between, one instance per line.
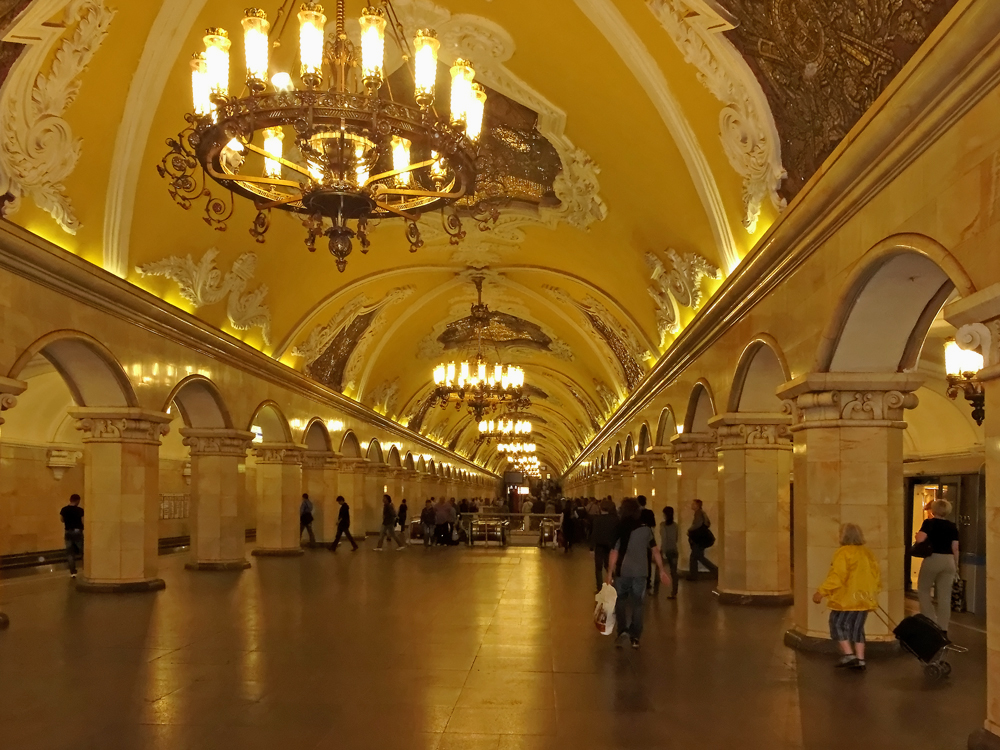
x=644, y=205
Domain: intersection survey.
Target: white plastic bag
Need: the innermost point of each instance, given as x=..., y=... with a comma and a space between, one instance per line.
x=604, y=613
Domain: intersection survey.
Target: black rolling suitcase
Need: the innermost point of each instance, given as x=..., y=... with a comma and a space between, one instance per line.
x=921, y=637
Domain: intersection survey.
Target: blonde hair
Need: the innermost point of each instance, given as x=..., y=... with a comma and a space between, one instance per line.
x=851, y=535
x=941, y=508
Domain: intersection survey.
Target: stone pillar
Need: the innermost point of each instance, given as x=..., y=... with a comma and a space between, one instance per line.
x=848, y=461
x=642, y=481
x=663, y=479
x=755, y=461
x=279, y=494
x=375, y=484
x=319, y=481
x=122, y=498
x=697, y=479
x=351, y=485
x=218, y=531
x=978, y=320
x=9, y=391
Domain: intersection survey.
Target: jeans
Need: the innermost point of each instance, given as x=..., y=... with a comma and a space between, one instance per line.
x=428, y=534
x=389, y=531
x=74, y=548
x=601, y=554
x=698, y=556
x=343, y=531
x=305, y=525
x=937, y=572
x=631, y=589
x=670, y=560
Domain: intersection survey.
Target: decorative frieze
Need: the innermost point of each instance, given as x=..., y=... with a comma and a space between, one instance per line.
x=694, y=446
x=748, y=431
x=849, y=399
x=278, y=453
x=125, y=425
x=204, y=442
x=318, y=459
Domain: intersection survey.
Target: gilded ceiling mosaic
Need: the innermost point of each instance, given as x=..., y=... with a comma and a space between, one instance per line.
x=823, y=63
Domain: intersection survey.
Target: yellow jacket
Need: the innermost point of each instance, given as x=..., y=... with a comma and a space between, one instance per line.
x=854, y=582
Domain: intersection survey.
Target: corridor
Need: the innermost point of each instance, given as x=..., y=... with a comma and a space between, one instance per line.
x=439, y=649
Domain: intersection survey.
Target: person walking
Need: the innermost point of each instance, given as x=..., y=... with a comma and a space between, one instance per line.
x=441, y=515
x=343, y=525
x=603, y=538
x=568, y=524
x=427, y=522
x=72, y=518
x=698, y=537
x=669, y=550
x=401, y=514
x=388, y=525
x=627, y=571
x=851, y=589
x=647, y=518
x=306, y=518
x=940, y=567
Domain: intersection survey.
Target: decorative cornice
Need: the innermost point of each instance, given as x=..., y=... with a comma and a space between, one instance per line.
x=943, y=81
x=209, y=442
x=124, y=425
x=752, y=431
x=38, y=149
x=694, y=447
x=319, y=460
x=278, y=453
x=849, y=399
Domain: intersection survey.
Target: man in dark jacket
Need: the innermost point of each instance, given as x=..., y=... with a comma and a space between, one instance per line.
x=603, y=537
x=647, y=518
x=389, y=524
x=343, y=525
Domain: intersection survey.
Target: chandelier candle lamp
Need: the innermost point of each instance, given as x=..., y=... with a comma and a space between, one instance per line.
x=516, y=448
x=961, y=367
x=338, y=146
x=503, y=429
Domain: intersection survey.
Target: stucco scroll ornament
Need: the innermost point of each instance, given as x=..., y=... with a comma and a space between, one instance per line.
x=121, y=430
x=746, y=124
x=202, y=283
x=277, y=455
x=679, y=287
x=876, y=405
x=217, y=445
x=984, y=337
x=38, y=149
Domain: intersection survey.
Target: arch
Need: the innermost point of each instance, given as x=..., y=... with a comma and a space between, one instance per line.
x=408, y=462
x=761, y=370
x=602, y=463
x=349, y=445
x=200, y=403
x=421, y=465
x=888, y=305
x=272, y=423
x=317, y=436
x=629, y=449
x=393, y=458
x=374, y=452
x=92, y=373
x=666, y=426
x=618, y=453
x=701, y=408
x=643, y=439
x=432, y=468
x=610, y=462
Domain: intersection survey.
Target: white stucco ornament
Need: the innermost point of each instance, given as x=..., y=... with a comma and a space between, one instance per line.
x=678, y=287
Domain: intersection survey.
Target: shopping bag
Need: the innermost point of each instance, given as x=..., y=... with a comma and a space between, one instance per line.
x=958, y=601
x=604, y=612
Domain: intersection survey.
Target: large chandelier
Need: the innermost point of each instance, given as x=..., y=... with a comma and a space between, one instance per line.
x=477, y=385
x=504, y=429
x=338, y=146
x=516, y=448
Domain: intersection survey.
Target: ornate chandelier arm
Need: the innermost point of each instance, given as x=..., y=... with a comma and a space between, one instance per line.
x=226, y=176
x=394, y=172
x=273, y=204
x=383, y=190
x=390, y=209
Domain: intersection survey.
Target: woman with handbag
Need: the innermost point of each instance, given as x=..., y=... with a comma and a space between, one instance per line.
x=700, y=537
x=937, y=543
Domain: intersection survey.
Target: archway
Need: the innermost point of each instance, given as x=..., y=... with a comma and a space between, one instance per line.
x=200, y=404
x=701, y=408
x=349, y=445
x=643, y=439
x=629, y=449
x=762, y=369
x=269, y=424
x=666, y=426
x=317, y=436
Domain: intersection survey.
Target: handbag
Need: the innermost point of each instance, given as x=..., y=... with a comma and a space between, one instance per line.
x=958, y=602
x=922, y=549
x=702, y=537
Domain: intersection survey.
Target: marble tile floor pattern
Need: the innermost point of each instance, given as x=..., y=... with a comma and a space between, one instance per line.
x=434, y=650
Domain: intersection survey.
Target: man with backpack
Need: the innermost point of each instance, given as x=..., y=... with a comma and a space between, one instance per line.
x=700, y=537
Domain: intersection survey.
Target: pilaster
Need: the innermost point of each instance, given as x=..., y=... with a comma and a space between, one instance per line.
x=10, y=389
x=279, y=494
x=319, y=481
x=848, y=460
x=121, y=497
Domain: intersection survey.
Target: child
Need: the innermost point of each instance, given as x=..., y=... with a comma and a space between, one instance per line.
x=851, y=588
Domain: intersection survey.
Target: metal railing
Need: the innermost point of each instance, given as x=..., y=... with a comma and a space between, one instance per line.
x=502, y=529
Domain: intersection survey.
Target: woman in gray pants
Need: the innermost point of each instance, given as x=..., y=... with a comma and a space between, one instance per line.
x=939, y=569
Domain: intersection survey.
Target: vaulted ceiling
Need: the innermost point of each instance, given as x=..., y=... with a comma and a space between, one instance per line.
x=668, y=161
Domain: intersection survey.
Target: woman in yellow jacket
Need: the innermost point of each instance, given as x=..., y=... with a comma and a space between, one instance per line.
x=851, y=588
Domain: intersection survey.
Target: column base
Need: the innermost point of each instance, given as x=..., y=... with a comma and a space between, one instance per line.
x=802, y=642
x=124, y=587
x=983, y=739
x=780, y=599
x=4, y=621
x=277, y=552
x=217, y=565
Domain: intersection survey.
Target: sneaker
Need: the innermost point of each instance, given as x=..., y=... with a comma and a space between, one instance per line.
x=400, y=549
x=621, y=640
x=635, y=643
x=72, y=575
x=378, y=549
x=847, y=662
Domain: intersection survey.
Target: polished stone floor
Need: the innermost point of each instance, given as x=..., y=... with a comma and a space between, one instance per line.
x=444, y=648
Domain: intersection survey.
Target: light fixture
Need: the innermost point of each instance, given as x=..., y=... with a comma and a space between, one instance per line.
x=478, y=385
x=516, y=448
x=503, y=429
x=357, y=152
x=961, y=368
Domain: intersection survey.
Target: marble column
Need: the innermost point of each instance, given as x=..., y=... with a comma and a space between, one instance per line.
x=352, y=486
x=642, y=481
x=697, y=479
x=218, y=530
x=121, y=496
x=279, y=495
x=977, y=318
x=319, y=481
x=375, y=488
x=848, y=462
x=9, y=391
x=755, y=461
x=663, y=478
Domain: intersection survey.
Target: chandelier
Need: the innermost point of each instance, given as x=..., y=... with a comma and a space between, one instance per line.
x=503, y=429
x=516, y=448
x=523, y=462
x=339, y=147
x=476, y=385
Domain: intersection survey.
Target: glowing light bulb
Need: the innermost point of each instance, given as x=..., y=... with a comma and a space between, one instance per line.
x=217, y=61
x=462, y=74
x=959, y=361
x=311, y=24
x=439, y=375
x=450, y=378
x=372, y=47
x=255, y=46
x=474, y=112
x=425, y=46
x=401, y=158
x=200, y=89
x=273, y=138
x=281, y=81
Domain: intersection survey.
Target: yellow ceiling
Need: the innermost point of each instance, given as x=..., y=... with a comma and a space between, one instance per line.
x=651, y=199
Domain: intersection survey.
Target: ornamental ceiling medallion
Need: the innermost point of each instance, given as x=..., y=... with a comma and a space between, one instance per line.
x=823, y=64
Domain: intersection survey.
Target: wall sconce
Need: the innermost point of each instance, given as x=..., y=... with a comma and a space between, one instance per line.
x=961, y=367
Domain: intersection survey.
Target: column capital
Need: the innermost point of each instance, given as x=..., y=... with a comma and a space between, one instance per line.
x=10, y=389
x=216, y=442
x=752, y=431
x=351, y=465
x=693, y=446
x=849, y=399
x=121, y=424
x=318, y=459
x=278, y=453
